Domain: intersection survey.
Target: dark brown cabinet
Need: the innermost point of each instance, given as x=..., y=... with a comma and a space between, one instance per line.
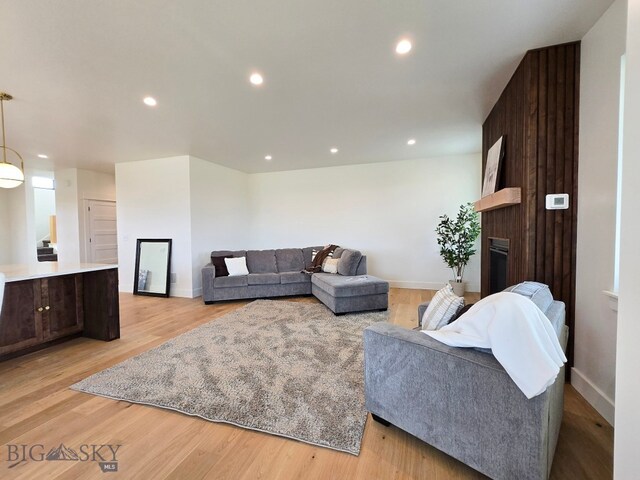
x=21, y=322
x=38, y=312
x=63, y=307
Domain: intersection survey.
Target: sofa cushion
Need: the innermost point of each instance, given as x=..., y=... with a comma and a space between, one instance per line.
x=294, y=277
x=442, y=308
x=337, y=253
x=339, y=286
x=262, y=261
x=289, y=260
x=348, y=262
x=307, y=253
x=538, y=293
x=221, y=266
x=264, y=278
x=223, y=282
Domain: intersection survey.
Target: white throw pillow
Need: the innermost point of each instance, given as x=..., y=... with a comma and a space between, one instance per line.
x=442, y=308
x=237, y=266
x=330, y=265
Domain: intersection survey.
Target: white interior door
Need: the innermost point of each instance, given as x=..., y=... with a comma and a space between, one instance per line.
x=103, y=235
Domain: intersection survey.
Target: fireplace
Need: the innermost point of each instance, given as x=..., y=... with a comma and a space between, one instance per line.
x=498, y=264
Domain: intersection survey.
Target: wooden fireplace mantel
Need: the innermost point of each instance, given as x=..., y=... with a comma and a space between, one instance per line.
x=502, y=198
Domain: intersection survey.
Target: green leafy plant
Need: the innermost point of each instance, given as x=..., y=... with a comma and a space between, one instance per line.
x=457, y=239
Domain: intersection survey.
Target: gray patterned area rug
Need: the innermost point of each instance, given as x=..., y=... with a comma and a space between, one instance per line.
x=285, y=368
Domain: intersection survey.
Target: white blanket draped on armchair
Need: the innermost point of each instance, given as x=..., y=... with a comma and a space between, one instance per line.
x=520, y=336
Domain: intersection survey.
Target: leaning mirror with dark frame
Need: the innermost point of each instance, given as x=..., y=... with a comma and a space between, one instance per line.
x=153, y=267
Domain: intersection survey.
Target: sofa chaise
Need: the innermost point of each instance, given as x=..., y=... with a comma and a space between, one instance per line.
x=462, y=401
x=278, y=273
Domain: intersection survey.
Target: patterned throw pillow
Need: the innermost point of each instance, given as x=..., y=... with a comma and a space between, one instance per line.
x=442, y=308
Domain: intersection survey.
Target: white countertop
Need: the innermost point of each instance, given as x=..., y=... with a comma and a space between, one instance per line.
x=15, y=273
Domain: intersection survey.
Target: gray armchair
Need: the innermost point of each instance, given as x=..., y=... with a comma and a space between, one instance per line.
x=462, y=401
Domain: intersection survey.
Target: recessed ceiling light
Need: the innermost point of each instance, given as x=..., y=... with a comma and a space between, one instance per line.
x=256, y=78
x=150, y=101
x=334, y=150
x=268, y=157
x=403, y=47
x=42, y=155
x=411, y=141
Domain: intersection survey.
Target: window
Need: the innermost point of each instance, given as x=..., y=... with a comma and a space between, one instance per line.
x=43, y=182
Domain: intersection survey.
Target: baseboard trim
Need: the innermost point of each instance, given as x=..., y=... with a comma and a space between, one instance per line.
x=182, y=292
x=604, y=405
x=471, y=287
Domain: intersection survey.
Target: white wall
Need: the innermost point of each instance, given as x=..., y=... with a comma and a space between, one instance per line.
x=219, y=213
x=627, y=440
x=593, y=374
x=5, y=228
x=387, y=210
x=21, y=223
x=67, y=219
x=153, y=201
x=73, y=186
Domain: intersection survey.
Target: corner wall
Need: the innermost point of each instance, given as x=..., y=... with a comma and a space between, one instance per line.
x=153, y=202
x=201, y=206
x=593, y=374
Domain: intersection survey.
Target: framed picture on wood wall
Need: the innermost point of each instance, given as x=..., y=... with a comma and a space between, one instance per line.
x=492, y=170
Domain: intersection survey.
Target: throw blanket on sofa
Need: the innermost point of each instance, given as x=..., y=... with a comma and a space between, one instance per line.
x=520, y=336
x=316, y=265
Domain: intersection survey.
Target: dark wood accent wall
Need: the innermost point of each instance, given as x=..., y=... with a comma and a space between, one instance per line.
x=538, y=115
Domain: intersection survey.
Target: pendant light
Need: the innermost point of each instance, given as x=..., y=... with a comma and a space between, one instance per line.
x=10, y=175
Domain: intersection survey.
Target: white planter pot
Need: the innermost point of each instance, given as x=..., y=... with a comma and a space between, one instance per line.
x=458, y=287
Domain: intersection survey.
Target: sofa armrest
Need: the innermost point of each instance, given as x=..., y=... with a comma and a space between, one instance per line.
x=208, y=274
x=459, y=400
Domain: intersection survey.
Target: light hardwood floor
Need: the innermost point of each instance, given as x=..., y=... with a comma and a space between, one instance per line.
x=37, y=407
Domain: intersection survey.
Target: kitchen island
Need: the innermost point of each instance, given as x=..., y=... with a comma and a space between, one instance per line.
x=47, y=303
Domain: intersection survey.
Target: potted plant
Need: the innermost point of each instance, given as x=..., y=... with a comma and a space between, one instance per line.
x=457, y=240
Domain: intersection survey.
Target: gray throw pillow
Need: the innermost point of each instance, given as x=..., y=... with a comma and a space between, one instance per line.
x=348, y=262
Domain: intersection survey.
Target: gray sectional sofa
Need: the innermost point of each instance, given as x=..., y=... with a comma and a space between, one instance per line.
x=462, y=401
x=272, y=273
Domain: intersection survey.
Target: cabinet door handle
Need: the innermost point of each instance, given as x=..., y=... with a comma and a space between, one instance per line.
x=40, y=309
x=47, y=307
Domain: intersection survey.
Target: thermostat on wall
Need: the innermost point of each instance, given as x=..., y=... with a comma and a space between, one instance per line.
x=557, y=201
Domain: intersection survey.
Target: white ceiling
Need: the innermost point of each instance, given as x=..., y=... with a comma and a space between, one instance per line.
x=78, y=71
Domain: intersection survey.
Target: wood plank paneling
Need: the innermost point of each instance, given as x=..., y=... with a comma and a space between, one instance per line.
x=538, y=115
